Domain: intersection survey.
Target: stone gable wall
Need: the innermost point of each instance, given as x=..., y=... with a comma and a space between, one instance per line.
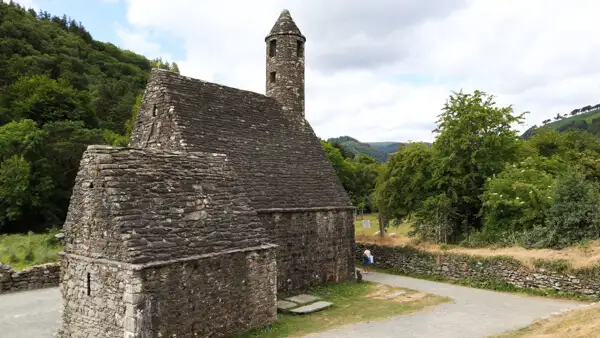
x=315, y=247
x=555, y=275
x=35, y=277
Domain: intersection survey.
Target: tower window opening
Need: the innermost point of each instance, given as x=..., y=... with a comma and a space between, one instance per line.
x=300, y=49
x=89, y=289
x=272, y=76
x=154, y=110
x=272, y=47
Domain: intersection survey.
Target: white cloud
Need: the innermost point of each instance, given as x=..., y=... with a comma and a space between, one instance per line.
x=539, y=55
x=140, y=42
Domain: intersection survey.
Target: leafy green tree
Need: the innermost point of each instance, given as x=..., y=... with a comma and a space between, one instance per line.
x=575, y=213
x=405, y=181
x=475, y=140
x=44, y=100
x=517, y=199
x=25, y=184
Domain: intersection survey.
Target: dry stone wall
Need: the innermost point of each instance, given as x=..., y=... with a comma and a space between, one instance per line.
x=35, y=277
x=556, y=275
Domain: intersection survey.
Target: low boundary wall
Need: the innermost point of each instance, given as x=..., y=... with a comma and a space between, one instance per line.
x=556, y=275
x=35, y=277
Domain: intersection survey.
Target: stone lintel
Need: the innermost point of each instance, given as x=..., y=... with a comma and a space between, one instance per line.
x=137, y=267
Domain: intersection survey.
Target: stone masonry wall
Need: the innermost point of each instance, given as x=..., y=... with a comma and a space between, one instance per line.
x=35, y=277
x=315, y=247
x=95, y=306
x=544, y=275
x=211, y=297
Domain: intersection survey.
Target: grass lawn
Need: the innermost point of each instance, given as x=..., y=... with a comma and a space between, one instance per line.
x=580, y=323
x=353, y=303
x=360, y=232
x=20, y=251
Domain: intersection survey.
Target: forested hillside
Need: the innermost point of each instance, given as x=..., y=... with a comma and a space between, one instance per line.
x=585, y=118
x=354, y=147
x=60, y=90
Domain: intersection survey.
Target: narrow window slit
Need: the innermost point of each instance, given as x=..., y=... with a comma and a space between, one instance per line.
x=272, y=76
x=272, y=47
x=299, y=49
x=89, y=289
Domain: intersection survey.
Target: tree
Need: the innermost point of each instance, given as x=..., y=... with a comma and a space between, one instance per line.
x=474, y=142
x=405, y=181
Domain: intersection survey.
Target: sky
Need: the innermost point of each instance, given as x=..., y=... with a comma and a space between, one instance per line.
x=375, y=70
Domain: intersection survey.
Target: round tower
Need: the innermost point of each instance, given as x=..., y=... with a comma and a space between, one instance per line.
x=285, y=65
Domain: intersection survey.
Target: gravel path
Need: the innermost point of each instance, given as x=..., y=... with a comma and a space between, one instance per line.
x=30, y=314
x=473, y=313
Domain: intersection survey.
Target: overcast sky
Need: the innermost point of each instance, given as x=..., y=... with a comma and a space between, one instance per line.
x=377, y=70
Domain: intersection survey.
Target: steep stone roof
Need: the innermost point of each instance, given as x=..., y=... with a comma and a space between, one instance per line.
x=279, y=159
x=285, y=25
x=143, y=205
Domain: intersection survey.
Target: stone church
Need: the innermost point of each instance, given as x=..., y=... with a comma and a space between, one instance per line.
x=223, y=198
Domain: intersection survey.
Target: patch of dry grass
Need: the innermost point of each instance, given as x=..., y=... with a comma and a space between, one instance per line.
x=353, y=303
x=578, y=256
x=579, y=323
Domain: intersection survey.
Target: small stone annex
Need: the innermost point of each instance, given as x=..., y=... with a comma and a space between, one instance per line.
x=223, y=198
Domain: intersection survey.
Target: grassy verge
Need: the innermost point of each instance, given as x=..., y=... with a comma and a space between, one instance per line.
x=21, y=251
x=495, y=285
x=580, y=323
x=361, y=232
x=353, y=303
x=578, y=256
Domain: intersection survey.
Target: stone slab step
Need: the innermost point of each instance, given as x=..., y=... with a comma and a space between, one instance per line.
x=302, y=299
x=284, y=304
x=310, y=308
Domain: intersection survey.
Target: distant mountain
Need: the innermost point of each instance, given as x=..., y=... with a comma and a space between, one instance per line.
x=386, y=147
x=378, y=150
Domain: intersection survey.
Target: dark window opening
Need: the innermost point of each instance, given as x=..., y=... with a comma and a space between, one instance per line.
x=272, y=77
x=91, y=185
x=300, y=48
x=272, y=47
x=154, y=110
x=89, y=289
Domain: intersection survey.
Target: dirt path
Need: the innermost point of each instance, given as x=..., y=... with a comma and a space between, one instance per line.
x=473, y=313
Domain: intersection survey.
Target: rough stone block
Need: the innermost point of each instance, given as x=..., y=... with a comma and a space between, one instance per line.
x=285, y=305
x=310, y=308
x=302, y=299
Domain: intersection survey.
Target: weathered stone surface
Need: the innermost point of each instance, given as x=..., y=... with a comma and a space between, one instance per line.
x=163, y=243
x=172, y=237
x=35, y=277
x=273, y=149
x=302, y=299
x=158, y=206
x=315, y=247
x=461, y=267
x=285, y=66
x=284, y=304
x=310, y=308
